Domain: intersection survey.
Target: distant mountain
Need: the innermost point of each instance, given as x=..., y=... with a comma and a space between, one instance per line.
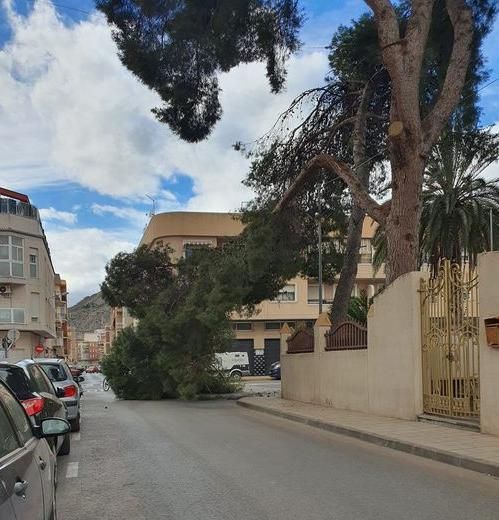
x=89, y=314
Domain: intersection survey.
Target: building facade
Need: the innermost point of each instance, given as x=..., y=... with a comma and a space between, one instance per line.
x=297, y=303
x=61, y=342
x=30, y=291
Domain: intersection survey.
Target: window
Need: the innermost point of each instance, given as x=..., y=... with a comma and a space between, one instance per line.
x=242, y=325
x=15, y=378
x=8, y=439
x=12, y=316
x=35, y=306
x=11, y=256
x=54, y=372
x=17, y=414
x=40, y=380
x=287, y=294
x=365, y=251
x=33, y=263
x=273, y=325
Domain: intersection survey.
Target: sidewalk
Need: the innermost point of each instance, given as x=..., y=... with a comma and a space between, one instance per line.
x=466, y=449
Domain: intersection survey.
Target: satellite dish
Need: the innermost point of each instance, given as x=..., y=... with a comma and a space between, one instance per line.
x=13, y=335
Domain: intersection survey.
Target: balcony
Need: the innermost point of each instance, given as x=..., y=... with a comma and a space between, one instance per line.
x=21, y=209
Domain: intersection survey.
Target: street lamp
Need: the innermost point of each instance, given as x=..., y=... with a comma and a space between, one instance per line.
x=319, y=246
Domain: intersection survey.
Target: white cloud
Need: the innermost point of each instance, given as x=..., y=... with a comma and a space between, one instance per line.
x=51, y=213
x=135, y=216
x=80, y=255
x=69, y=111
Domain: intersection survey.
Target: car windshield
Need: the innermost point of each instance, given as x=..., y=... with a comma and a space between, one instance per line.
x=54, y=372
x=16, y=379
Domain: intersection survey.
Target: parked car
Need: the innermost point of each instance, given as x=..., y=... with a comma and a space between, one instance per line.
x=275, y=370
x=92, y=369
x=58, y=372
x=28, y=470
x=76, y=371
x=235, y=363
x=37, y=395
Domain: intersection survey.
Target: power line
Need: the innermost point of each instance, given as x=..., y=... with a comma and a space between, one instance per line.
x=63, y=6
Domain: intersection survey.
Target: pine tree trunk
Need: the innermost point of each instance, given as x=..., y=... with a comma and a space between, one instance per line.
x=402, y=224
x=348, y=274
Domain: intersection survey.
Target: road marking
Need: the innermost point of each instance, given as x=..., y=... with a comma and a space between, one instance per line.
x=72, y=470
x=75, y=436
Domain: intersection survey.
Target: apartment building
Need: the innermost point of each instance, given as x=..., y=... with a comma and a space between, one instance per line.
x=31, y=294
x=61, y=342
x=118, y=320
x=297, y=303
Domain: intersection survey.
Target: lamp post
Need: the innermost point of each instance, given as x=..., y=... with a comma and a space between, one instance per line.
x=319, y=246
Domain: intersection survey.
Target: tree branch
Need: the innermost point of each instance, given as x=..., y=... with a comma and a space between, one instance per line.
x=330, y=164
x=462, y=23
x=416, y=36
x=389, y=37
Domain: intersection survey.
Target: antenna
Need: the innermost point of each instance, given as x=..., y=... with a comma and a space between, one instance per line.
x=153, y=210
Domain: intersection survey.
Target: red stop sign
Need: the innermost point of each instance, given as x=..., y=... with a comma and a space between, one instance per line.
x=39, y=349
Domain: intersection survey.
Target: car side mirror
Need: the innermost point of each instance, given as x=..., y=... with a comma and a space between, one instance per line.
x=53, y=427
x=59, y=392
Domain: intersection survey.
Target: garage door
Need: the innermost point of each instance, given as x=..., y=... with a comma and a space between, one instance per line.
x=245, y=345
x=272, y=352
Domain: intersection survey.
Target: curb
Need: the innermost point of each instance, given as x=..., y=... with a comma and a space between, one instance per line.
x=446, y=457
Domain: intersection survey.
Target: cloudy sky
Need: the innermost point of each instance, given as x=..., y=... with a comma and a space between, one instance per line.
x=77, y=135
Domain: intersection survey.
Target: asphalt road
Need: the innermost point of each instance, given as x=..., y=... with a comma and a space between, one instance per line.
x=216, y=460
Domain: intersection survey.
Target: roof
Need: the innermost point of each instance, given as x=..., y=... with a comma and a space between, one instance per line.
x=208, y=224
x=14, y=195
x=191, y=223
x=49, y=360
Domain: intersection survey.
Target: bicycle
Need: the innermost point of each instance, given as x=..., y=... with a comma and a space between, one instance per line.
x=105, y=385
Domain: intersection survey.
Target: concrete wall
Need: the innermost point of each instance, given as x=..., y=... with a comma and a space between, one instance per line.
x=337, y=379
x=385, y=379
x=394, y=354
x=488, y=272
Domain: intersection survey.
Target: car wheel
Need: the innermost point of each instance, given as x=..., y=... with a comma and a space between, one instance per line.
x=75, y=424
x=236, y=376
x=66, y=445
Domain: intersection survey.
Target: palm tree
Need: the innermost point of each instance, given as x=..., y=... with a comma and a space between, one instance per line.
x=457, y=201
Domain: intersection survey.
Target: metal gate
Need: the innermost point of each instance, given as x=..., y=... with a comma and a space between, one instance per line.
x=450, y=347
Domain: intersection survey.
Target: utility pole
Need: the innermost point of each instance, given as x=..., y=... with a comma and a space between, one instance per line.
x=319, y=245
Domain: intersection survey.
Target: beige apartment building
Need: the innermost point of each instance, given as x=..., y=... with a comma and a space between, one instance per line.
x=118, y=320
x=296, y=304
x=61, y=342
x=32, y=296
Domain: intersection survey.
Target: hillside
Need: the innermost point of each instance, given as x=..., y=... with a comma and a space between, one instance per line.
x=89, y=314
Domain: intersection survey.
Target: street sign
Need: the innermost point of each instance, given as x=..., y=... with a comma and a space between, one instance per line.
x=39, y=349
x=13, y=335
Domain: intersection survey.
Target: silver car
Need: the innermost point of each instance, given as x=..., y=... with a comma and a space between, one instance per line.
x=27, y=464
x=58, y=372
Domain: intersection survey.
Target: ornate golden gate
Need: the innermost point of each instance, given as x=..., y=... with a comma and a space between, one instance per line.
x=449, y=320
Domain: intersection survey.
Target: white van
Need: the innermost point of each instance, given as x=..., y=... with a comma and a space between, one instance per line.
x=235, y=363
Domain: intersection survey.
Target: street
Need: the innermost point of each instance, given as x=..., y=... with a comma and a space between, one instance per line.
x=215, y=460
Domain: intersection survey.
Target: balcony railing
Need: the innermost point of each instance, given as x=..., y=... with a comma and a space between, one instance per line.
x=21, y=209
x=315, y=301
